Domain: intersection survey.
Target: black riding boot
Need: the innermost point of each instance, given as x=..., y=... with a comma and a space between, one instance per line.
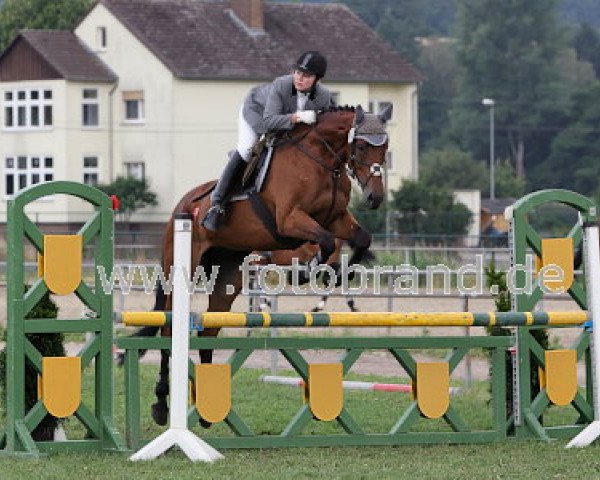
x=229, y=178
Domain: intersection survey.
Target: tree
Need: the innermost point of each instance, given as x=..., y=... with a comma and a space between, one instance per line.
x=423, y=210
x=506, y=51
x=573, y=161
x=16, y=15
x=587, y=46
x=578, y=11
x=373, y=221
x=453, y=169
x=133, y=194
x=508, y=184
x=438, y=63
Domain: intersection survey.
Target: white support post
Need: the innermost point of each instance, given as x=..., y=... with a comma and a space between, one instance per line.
x=178, y=433
x=592, y=273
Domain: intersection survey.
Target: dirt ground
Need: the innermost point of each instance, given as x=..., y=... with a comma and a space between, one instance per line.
x=378, y=362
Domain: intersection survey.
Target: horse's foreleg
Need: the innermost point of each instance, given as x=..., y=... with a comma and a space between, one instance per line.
x=160, y=409
x=299, y=225
x=347, y=228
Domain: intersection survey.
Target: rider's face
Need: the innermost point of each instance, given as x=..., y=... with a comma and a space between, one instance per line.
x=303, y=81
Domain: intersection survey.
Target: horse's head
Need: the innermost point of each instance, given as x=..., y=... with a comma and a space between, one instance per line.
x=368, y=141
x=348, y=135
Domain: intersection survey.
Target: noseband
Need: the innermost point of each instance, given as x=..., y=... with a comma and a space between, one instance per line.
x=354, y=162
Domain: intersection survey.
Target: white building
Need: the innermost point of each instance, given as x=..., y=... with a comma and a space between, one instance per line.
x=156, y=86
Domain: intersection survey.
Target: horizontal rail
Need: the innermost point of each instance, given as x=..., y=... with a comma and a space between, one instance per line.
x=361, y=319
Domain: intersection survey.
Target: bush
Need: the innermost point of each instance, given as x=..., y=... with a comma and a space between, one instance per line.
x=503, y=304
x=49, y=345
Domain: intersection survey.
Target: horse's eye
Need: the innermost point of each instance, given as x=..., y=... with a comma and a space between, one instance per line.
x=361, y=147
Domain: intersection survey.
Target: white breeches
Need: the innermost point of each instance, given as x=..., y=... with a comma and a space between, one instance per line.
x=246, y=137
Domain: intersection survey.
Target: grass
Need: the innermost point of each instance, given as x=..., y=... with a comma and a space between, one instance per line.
x=269, y=408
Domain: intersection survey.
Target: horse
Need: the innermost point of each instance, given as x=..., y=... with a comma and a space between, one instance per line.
x=304, y=198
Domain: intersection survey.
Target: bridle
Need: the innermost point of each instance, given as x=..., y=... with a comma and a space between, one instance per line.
x=338, y=154
x=340, y=157
x=354, y=162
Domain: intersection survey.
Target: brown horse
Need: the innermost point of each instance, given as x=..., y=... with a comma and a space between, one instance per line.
x=304, y=199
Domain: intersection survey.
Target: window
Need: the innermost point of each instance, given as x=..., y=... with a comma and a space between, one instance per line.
x=134, y=106
x=101, y=38
x=90, y=170
x=135, y=170
x=90, y=107
x=377, y=106
x=22, y=171
x=31, y=109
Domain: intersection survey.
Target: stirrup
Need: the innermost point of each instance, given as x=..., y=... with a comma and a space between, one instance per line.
x=213, y=217
x=215, y=209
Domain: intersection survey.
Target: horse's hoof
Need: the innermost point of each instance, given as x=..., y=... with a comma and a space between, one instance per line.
x=303, y=278
x=120, y=359
x=204, y=424
x=160, y=413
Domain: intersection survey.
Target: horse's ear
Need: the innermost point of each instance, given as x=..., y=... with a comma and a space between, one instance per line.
x=360, y=115
x=386, y=114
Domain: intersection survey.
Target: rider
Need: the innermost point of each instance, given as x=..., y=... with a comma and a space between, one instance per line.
x=288, y=100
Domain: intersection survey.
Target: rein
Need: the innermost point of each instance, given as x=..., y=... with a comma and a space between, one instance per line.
x=335, y=170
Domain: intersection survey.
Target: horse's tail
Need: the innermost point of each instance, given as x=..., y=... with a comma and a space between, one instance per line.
x=160, y=298
x=160, y=302
x=148, y=331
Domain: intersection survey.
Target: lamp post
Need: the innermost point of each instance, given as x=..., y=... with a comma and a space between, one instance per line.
x=489, y=102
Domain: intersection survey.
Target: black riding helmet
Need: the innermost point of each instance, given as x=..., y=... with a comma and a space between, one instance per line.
x=312, y=62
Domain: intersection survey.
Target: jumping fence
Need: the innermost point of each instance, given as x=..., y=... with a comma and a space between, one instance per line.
x=323, y=382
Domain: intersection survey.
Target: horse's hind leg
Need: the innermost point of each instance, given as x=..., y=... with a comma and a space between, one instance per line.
x=321, y=305
x=162, y=302
x=160, y=409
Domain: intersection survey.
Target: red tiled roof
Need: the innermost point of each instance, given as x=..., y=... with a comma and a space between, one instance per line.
x=203, y=40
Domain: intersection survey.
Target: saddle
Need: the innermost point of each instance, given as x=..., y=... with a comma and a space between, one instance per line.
x=257, y=169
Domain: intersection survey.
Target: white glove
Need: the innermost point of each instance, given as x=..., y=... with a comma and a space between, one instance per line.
x=306, y=116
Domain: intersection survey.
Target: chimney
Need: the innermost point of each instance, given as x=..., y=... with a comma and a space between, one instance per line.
x=250, y=12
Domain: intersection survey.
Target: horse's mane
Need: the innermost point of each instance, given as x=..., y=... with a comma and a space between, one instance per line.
x=338, y=108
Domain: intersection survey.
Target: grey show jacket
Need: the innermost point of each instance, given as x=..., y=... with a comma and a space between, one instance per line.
x=270, y=106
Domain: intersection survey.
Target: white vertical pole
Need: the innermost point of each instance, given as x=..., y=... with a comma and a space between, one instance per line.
x=180, y=330
x=178, y=433
x=592, y=273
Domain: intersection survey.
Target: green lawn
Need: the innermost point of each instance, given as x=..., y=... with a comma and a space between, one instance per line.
x=268, y=409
